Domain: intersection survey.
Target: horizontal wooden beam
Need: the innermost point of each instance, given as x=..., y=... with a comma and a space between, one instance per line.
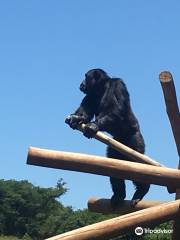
x=120, y=225
x=120, y=147
x=102, y=205
x=104, y=166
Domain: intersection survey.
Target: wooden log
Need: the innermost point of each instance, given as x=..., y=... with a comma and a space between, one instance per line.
x=124, y=224
x=131, y=153
x=103, y=205
x=172, y=110
x=104, y=166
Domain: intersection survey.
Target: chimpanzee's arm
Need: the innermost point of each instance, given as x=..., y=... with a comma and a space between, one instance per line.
x=85, y=110
x=83, y=114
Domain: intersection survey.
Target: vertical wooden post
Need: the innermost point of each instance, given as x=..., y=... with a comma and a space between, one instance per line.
x=172, y=109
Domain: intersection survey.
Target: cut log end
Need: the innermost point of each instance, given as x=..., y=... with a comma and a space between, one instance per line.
x=28, y=160
x=165, y=77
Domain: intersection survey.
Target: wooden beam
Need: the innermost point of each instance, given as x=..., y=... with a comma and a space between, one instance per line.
x=121, y=225
x=134, y=155
x=131, y=153
x=103, y=205
x=172, y=110
x=104, y=166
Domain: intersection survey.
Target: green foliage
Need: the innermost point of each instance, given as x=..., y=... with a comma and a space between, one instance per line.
x=8, y=238
x=29, y=212
x=26, y=237
x=26, y=209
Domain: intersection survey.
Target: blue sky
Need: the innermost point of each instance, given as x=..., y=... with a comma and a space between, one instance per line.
x=45, y=49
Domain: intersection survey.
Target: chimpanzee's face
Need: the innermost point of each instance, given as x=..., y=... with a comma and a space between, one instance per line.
x=94, y=79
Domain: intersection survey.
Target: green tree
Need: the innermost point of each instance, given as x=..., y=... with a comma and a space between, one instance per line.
x=31, y=212
x=25, y=208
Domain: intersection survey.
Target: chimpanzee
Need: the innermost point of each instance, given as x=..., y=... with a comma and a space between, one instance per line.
x=106, y=107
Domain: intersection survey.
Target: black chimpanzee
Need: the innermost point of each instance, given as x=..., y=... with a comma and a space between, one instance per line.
x=108, y=100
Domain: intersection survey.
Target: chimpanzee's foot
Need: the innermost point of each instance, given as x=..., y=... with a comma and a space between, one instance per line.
x=116, y=201
x=134, y=202
x=141, y=190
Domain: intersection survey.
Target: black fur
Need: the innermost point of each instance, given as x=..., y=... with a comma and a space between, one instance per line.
x=107, y=100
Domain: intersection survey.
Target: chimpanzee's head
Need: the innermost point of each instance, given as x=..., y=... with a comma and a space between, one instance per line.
x=94, y=81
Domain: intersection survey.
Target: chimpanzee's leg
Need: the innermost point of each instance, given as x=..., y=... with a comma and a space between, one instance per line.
x=141, y=190
x=119, y=192
x=117, y=184
x=136, y=142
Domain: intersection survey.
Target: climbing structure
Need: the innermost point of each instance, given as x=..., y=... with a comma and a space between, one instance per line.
x=146, y=213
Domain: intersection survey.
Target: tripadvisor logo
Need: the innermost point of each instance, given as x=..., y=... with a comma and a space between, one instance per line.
x=139, y=231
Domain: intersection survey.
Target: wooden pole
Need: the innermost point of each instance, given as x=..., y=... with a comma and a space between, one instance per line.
x=120, y=225
x=134, y=155
x=131, y=153
x=104, y=206
x=104, y=166
x=172, y=110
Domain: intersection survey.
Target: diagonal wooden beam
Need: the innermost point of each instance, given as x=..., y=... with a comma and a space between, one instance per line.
x=120, y=147
x=115, y=227
x=127, y=151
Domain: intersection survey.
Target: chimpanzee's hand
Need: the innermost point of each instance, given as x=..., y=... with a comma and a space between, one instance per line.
x=74, y=121
x=90, y=129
